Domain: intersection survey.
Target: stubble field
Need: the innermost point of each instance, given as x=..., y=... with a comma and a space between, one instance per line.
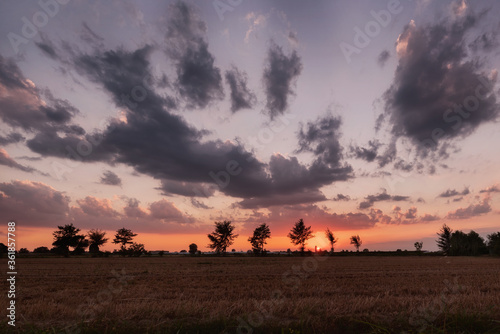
x=354, y=294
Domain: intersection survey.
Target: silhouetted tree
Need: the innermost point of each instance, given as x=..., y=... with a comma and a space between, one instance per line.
x=96, y=239
x=24, y=251
x=494, y=243
x=475, y=243
x=193, y=248
x=41, y=250
x=3, y=249
x=299, y=234
x=136, y=249
x=258, y=240
x=462, y=244
x=356, y=241
x=222, y=237
x=418, y=246
x=67, y=236
x=444, y=240
x=123, y=237
x=331, y=238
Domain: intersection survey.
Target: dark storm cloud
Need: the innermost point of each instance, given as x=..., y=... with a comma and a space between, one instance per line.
x=472, y=210
x=485, y=42
x=26, y=107
x=383, y=57
x=47, y=47
x=199, y=81
x=10, y=74
x=280, y=75
x=453, y=193
x=11, y=138
x=241, y=96
x=383, y=196
x=322, y=138
x=158, y=143
x=294, y=183
x=188, y=189
x=341, y=197
x=111, y=179
x=308, y=196
x=439, y=93
x=369, y=153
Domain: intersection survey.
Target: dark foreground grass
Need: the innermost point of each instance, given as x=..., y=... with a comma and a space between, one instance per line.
x=257, y=295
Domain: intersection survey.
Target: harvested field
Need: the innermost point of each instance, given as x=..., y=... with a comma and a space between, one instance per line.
x=354, y=294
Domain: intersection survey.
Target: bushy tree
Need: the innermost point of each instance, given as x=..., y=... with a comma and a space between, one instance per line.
x=299, y=234
x=136, y=249
x=193, y=248
x=258, y=240
x=24, y=251
x=475, y=244
x=462, y=244
x=222, y=237
x=67, y=236
x=96, y=239
x=494, y=243
x=41, y=250
x=123, y=237
x=3, y=249
x=331, y=238
x=444, y=240
x=356, y=241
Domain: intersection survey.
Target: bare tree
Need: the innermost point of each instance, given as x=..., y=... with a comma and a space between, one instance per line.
x=331, y=237
x=356, y=241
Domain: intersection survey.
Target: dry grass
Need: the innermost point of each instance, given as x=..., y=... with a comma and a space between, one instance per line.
x=274, y=294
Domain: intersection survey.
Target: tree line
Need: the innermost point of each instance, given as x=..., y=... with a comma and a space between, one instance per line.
x=224, y=236
x=453, y=243
x=458, y=243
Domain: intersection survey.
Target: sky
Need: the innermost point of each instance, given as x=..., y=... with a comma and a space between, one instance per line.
x=377, y=119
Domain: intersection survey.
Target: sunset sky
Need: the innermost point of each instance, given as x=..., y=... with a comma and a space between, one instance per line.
x=377, y=118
